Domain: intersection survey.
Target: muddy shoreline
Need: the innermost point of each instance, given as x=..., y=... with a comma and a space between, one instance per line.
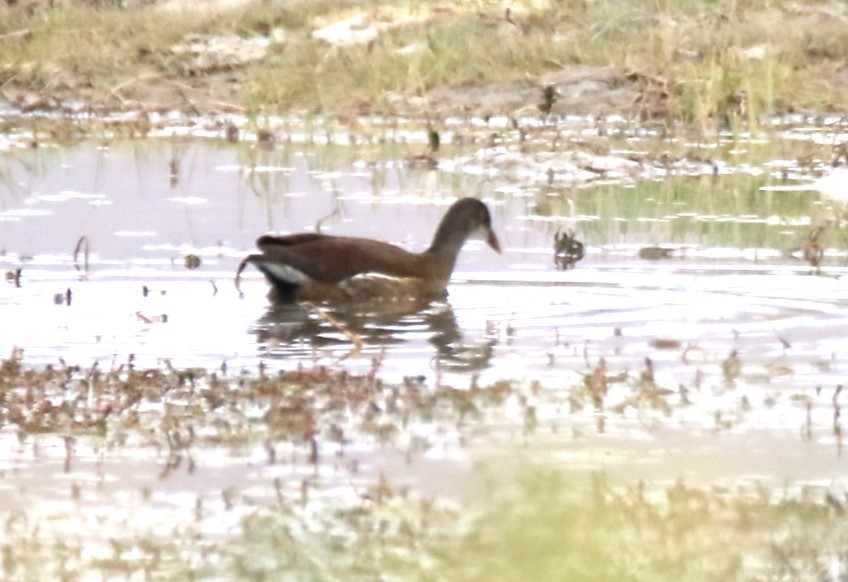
x=216, y=60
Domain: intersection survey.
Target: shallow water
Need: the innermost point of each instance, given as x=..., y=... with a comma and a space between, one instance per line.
x=733, y=287
x=144, y=206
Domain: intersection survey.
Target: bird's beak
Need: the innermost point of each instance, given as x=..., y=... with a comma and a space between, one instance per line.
x=492, y=241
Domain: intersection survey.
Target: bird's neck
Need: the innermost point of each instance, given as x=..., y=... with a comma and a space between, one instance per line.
x=444, y=250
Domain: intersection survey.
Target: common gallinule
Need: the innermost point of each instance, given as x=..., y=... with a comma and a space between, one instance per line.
x=323, y=268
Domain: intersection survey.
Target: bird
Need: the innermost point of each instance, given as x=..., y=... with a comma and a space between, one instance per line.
x=320, y=268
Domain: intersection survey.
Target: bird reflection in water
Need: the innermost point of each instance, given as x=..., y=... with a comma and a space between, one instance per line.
x=301, y=331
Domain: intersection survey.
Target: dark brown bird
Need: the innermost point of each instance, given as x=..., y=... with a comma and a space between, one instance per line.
x=324, y=268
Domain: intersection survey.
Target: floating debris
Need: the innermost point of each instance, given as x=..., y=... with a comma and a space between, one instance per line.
x=426, y=161
x=63, y=298
x=433, y=139
x=665, y=343
x=151, y=318
x=567, y=250
x=191, y=262
x=231, y=132
x=14, y=277
x=266, y=139
x=656, y=253
x=732, y=367
x=145, y=291
x=549, y=97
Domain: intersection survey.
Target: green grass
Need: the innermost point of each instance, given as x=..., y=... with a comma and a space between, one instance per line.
x=88, y=48
x=569, y=527
x=546, y=526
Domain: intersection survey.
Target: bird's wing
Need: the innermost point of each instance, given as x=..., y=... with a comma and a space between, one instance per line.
x=331, y=259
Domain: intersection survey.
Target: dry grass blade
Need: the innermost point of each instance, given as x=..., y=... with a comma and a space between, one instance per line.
x=16, y=35
x=237, y=281
x=353, y=337
x=324, y=219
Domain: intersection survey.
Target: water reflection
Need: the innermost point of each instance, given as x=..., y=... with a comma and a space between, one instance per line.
x=288, y=330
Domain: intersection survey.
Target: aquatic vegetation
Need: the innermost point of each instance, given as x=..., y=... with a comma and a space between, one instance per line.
x=318, y=512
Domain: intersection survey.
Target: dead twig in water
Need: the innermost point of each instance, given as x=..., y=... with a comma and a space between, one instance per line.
x=82, y=244
x=237, y=281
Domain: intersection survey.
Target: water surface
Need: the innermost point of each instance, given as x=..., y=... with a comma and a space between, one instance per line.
x=746, y=342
